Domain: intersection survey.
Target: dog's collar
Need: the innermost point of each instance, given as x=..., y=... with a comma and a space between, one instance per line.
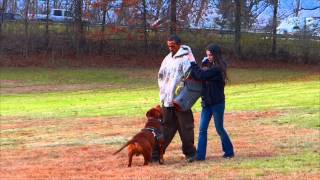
x=156, y=133
x=152, y=130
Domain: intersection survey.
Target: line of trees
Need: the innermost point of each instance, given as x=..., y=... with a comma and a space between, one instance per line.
x=151, y=17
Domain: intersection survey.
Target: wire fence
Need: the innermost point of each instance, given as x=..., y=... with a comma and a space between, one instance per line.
x=61, y=40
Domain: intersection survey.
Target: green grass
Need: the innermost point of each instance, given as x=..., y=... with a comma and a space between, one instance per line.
x=136, y=91
x=120, y=102
x=296, y=94
x=40, y=76
x=306, y=118
x=267, y=96
x=127, y=77
x=135, y=102
x=307, y=161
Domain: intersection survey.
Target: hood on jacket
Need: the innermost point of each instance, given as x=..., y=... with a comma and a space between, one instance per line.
x=183, y=51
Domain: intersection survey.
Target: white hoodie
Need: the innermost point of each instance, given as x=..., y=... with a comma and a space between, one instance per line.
x=172, y=71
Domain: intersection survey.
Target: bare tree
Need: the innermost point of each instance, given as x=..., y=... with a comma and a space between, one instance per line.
x=78, y=26
x=47, y=36
x=184, y=8
x=3, y=10
x=4, y=5
x=274, y=28
x=33, y=7
x=104, y=13
x=226, y=11
x=250, y=10
x=237, y=32
x=15, y=6
x=87, y=5
x=202, y=8
x=122, y=13
x=297, y=9
x=55, y=3
x=104, y=6
x=311, y=9
x=173, y=16
x=26, y=28
x=11, y=6
x=145, y=26
x=158, y=10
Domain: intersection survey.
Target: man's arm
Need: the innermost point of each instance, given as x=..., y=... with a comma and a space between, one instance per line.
x=161, y=73
x=186, y=60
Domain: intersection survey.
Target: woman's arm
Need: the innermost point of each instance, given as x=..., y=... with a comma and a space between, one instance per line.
x=200, y=74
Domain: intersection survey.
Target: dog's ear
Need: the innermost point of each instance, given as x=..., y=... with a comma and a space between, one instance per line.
x=155, y=112
x=160, y=110
x=150, y=113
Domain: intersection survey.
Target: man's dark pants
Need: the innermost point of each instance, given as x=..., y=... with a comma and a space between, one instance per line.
x=183, y=122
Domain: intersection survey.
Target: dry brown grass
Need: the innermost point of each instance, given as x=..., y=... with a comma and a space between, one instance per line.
x=50, y=149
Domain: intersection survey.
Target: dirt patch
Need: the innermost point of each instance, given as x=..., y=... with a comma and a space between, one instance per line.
x=142, y=61
x=10, y=83
x=252, y=115
x=90, y=162
x=81, y=149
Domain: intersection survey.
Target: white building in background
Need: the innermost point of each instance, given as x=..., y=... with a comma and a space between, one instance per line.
x=292, y=25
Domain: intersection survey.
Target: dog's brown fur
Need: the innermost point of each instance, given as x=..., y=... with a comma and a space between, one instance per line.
x=144, y=142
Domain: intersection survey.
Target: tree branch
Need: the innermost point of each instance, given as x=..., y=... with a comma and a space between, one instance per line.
x=310, y=9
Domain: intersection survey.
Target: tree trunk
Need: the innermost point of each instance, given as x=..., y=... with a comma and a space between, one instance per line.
x=104, y=13
x=123, y=10
x=173, y=16
x=274, y=29
x=78, y=26
x=55, y=3
x=15, y=6
x=159, y=6
x=296, y=11
x=145, y=26
x=68, y=6
x=26, y=28
x=35, y=7
x=3, y=10
x=237, y=33
x=200, y=11
x=47, y=24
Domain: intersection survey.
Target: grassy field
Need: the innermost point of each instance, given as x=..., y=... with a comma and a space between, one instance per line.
x=64, y=124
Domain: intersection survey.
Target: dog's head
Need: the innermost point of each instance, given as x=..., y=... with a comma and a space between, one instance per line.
x=155, y=113
x=154, y=116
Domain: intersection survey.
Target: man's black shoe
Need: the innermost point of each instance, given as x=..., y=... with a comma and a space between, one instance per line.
x=155, y=159
x=190, y=159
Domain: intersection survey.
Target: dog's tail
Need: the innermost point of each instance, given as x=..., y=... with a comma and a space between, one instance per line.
x=125, y=145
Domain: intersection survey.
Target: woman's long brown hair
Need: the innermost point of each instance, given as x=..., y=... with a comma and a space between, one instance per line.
x=218, y=60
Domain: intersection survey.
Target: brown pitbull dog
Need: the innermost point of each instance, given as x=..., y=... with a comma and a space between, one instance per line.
x=147, y=139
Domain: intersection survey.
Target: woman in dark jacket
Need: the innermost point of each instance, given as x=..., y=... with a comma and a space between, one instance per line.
x=213, y=75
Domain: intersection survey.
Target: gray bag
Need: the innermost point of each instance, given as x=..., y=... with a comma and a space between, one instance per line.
x=189, y=94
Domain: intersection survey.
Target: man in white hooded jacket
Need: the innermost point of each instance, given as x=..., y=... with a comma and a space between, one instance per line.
x=174, y=68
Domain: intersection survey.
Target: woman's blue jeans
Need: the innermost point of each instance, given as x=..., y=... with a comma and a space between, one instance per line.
x=218, y=114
